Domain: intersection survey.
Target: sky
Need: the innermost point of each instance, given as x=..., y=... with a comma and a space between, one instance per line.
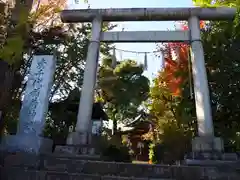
x=154, y=63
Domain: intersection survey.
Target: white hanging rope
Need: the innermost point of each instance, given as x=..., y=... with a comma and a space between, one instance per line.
x=136, y=52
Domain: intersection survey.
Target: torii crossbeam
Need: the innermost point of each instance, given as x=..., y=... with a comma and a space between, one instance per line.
x=147, y=14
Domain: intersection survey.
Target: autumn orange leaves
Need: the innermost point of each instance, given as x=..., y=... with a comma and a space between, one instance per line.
x=176, y=62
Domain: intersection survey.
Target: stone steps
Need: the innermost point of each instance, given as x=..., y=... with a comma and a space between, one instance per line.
x=75, y=157
x=106, y=168
x=101, y=168
x=16, y=173
x=54, y=163
x=75, y=167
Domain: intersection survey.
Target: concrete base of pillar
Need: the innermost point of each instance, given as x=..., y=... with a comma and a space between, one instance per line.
x=77, y=150
x=78, y=138
x=209, y=150
x=25, y=143
x=79, y=144
x=207, y=144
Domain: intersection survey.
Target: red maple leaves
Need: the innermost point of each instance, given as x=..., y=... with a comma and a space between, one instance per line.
x=176, y=63
x=175, y=66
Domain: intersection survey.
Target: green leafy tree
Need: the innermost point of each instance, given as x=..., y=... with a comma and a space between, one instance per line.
x=172, y=125
x=216, y=3
x=123, y=89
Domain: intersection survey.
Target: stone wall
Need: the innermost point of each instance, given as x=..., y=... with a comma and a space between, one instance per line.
x=49, y=167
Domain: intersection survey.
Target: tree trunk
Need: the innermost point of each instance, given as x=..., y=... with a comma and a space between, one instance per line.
x=6, y=81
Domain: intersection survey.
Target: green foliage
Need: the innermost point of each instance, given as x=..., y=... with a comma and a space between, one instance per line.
x=203, y=3
x=58, y=122
x=176, y=141
x=13, y=46
x=117, y=83
x=221, y=44
x=62, y=115
x=173, y=124
x=123, y=88
x=216, y=3
x=165, y=106
x=112, y=153
x=152, y=153
x=113, y=150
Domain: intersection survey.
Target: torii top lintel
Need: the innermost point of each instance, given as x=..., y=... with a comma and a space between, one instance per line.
x=147, y=14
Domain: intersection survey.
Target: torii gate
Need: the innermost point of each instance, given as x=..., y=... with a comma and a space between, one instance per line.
x=192, y=15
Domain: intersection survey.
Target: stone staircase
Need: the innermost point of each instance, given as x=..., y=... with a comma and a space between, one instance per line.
x=68, y=167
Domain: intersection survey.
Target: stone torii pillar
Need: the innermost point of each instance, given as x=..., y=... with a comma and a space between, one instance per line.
x=206, y=140
x=83, y=129
x=201, y=92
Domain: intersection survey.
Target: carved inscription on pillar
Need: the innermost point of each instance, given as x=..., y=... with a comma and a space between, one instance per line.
x=36, y=97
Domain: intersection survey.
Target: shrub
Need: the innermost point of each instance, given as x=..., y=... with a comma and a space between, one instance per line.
x=118, y=154
x=113, y=150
